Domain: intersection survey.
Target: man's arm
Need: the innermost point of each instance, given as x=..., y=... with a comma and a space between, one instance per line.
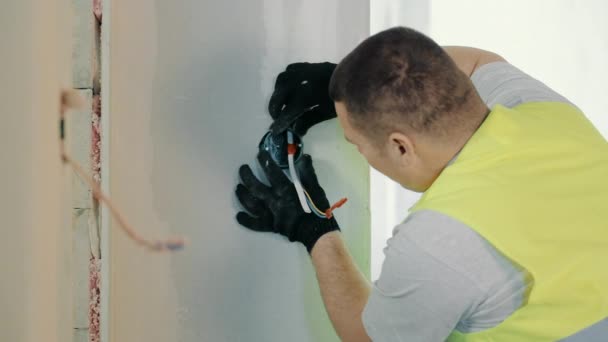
x=344, y=289
x=469, y=59
x=276, y=208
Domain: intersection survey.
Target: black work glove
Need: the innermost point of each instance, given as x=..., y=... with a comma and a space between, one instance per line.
x=301, y=97
x=276, y=208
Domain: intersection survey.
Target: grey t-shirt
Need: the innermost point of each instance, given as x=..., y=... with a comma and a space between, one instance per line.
x=439, y=275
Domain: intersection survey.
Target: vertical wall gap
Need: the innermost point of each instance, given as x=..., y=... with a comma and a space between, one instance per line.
x=85, y=146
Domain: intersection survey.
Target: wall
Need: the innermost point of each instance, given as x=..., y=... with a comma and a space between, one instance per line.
x=35, y=245
x=189, y=85
x=560, y=42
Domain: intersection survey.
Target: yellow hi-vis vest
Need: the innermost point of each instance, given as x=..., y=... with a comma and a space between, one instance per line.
x=533, y=181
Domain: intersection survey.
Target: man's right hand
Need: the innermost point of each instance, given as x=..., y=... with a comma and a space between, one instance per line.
x=301, y=97
x=276, y=208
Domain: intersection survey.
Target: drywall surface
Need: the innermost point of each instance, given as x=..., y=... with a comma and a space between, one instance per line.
x=35, y=234
x=189, y=86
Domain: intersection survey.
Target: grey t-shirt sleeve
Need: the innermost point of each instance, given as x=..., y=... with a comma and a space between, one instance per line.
x=439, y=275
x=503, y=83
x=414, y=298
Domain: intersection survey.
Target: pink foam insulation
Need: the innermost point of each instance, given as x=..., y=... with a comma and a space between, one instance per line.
x=94, y=299
x=95, y=263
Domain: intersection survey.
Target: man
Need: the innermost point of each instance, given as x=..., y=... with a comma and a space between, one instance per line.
x=509, y=241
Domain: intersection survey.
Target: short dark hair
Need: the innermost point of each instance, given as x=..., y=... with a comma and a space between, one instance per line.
x=402, y=78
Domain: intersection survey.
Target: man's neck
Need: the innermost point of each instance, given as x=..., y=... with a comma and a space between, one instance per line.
x=450, y=151
x=463, y=142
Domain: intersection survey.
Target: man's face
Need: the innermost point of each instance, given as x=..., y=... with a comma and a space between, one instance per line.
x=389, y=159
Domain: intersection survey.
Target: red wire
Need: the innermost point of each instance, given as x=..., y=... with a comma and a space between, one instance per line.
x=328, y=212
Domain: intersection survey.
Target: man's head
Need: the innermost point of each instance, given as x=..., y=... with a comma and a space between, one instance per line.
x=405, y=105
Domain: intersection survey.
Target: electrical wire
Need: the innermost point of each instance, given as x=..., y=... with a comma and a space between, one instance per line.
x=171, y=244
x=306, y=201
x=291, y=150
x=327, y=213
x=312, y=205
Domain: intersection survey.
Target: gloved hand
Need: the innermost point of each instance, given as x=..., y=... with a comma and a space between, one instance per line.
x=276, y=208
x=301, y=97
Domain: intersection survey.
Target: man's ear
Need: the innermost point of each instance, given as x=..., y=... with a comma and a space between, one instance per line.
x=401, y=148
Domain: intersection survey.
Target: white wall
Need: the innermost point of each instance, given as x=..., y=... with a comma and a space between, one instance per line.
x=35, y=236
x=563, y=43
x=189, y=85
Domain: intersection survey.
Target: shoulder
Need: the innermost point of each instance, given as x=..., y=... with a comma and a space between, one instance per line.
x=502, y=83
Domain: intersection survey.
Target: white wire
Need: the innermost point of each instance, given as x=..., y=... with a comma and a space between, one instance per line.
x=294, y=176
